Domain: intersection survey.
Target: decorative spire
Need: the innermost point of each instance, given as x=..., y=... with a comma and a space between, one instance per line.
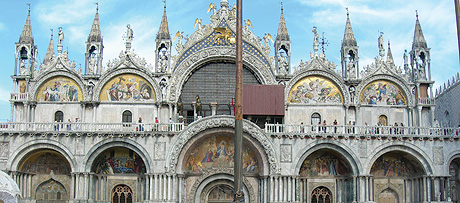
x=50, y=52
x=163, y=33
x=282, y=30
x=349, y=37
x=419, y=39
x=389, y=54
x=26, y=36
x=95, y=34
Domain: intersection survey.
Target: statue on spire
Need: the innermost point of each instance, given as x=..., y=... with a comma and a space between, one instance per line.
x=315, y=40
x=60, y=36
x=381, y=49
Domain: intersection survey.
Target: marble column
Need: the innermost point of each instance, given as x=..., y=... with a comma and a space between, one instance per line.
x=214, y=106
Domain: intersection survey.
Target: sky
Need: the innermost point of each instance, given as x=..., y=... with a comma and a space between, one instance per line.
x=395, y=18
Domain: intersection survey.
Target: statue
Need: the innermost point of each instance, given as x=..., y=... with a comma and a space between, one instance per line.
x=22, y=67
x=92, y=63
x=179, y=37
x=315, y=39
x=180, y=106
x=129, y=33
x=283, y=65
x=162, y=61
x=60, y=36
x=198, y=22
x=381, y=49
x=352, y=93
x=212, y=7
x=163, y=85
x=198, y=106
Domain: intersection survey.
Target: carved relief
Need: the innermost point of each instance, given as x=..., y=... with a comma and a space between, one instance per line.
x=4, y=147
x=286, y=153
x=160, y=149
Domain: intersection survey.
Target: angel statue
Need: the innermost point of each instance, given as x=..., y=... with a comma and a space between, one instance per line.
x=212, y=7
x=266, y=38
x=179, y=37
x=247, y=23
x=198, y=22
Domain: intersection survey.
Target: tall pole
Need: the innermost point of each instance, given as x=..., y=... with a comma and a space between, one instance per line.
x=457, y=17
x=238, y=166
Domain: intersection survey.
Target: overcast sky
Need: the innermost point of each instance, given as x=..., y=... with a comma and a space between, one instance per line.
x=395, y=18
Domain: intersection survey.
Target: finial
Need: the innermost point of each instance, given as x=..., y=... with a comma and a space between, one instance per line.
x=416, y=14
x=164, y=1
x=29, y=8
x=97, y=6
x=281, y=6
x=51, y=33
x=347, y=12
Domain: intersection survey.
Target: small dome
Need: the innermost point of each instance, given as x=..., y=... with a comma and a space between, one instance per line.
x=9, y=190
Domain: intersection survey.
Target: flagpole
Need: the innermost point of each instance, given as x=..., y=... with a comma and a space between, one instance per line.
x=457, y=18
x=238, y=166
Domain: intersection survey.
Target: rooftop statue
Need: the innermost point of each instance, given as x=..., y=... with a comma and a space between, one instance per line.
x=60, y=36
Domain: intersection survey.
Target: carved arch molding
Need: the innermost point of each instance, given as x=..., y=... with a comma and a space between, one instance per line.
x=193, y=62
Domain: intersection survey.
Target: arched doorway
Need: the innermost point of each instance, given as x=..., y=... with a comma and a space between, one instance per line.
x=323, y=169
x=388, y=196
x=396, y=170
x=321, y=195
x=50, y=171
x=454, y=180
x=122, y=166
x=122, y=194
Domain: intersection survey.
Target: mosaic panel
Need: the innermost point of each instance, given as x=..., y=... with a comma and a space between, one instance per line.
x=217, y=152
x=315, y=90
x=44, y=162
x=118, y=160
x=394, y=165
x=325, y=163
x=59, y=89
x=382, y=92
x=127, y=87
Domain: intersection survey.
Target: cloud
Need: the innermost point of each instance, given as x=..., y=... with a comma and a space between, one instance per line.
x=2, y=26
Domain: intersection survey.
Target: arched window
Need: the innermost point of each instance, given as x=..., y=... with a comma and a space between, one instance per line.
x=127, y=117
x=58, y=116
x=383, y=120
x=321, y=195
x=315, y=119
x=122, y=194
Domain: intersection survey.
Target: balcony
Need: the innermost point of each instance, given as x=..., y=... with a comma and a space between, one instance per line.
x=426, y=101
x=274, y=130
x=19, y=96
x=100, y=128
x=379, y=132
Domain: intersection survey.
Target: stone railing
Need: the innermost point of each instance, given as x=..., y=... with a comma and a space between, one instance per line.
x=91, y=127
x=19, y=96
x=377, y=131
x=426, y=101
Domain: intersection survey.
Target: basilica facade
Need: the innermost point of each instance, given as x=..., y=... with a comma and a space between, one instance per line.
x=122, y=130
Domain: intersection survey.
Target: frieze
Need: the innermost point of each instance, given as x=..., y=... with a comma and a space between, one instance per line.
x=192, y=62
x=219, y=122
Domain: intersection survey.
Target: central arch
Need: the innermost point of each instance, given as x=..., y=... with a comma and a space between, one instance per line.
x=203, y=56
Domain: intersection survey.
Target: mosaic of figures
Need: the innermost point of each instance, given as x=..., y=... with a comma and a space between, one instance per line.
x=60, y=89
x=44, y=162
x=217, y=152
x=315, y=90
x=118, y=160
x=51, y=190
x=324, y=163
x=127, y=87
x=382, y=92
x=393, y=165
x=22, y=86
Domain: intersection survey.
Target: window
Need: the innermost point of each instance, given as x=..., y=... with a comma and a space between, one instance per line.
x=321, y=195
x=59, y=116
x=127, y=117
x=122, y=194
x=315, y=119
